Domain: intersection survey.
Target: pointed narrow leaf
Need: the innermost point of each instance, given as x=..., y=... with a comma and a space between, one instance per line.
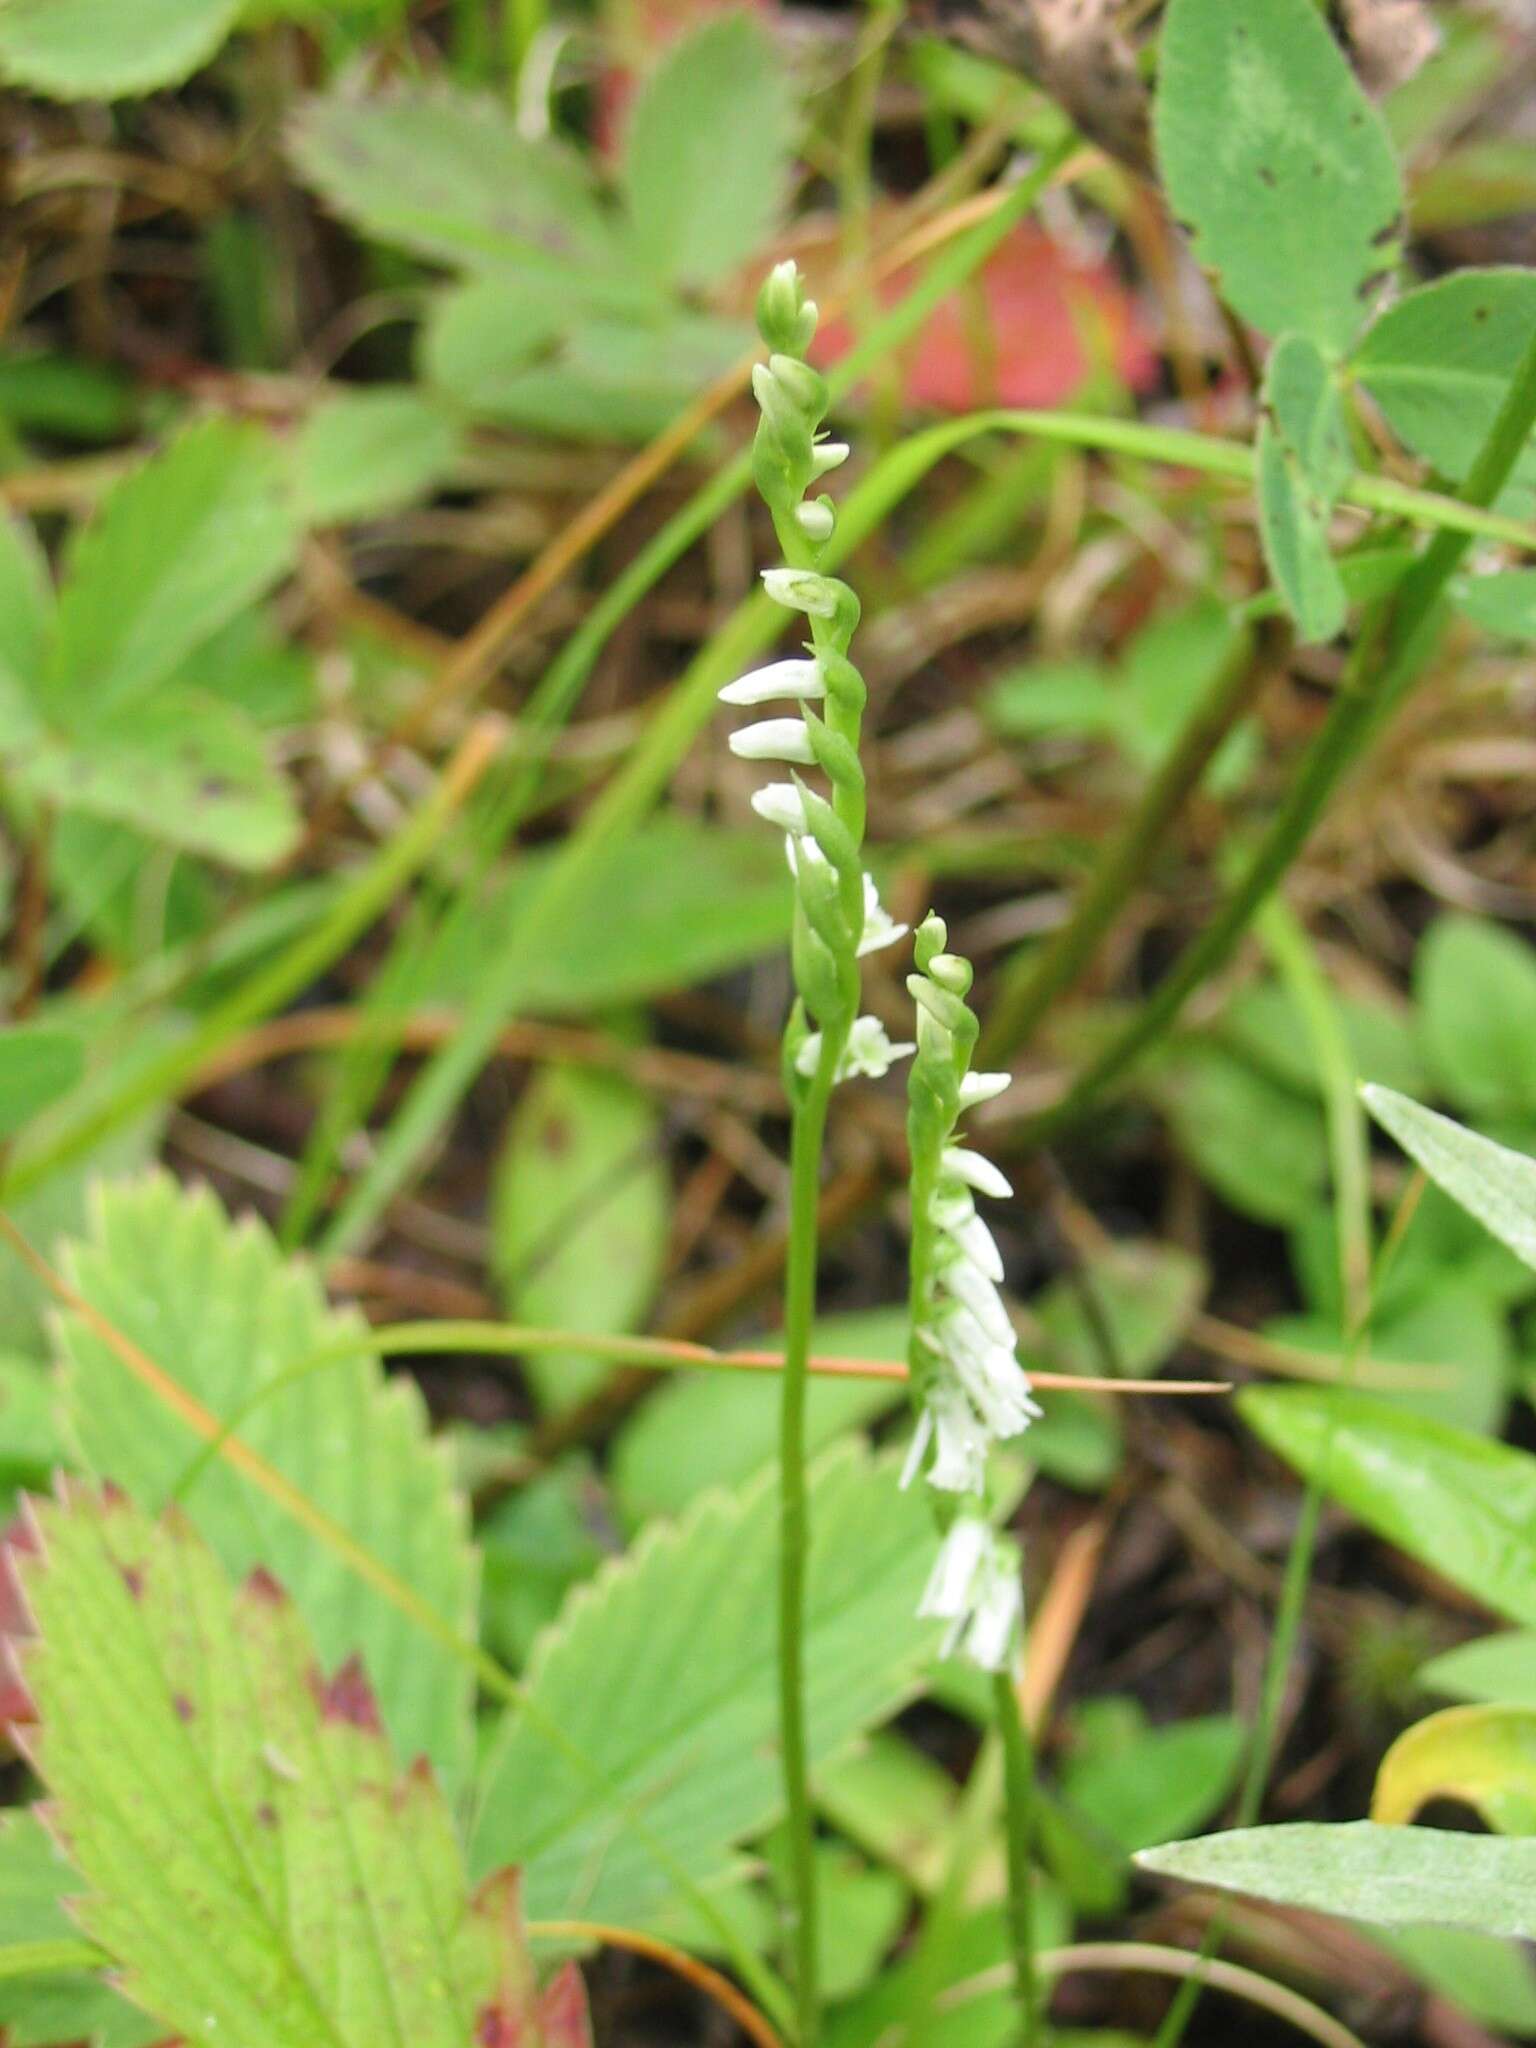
x=247, y=1855
x=662, y=1672
x=216, y=1305
x=1489, y=1181
x=38, y=1064
x=1458, y=1503
x=1361, y=1871
x=1278, y=162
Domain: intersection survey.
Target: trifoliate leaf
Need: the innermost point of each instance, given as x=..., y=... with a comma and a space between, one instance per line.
x=248, y=1857
x=216, y=1306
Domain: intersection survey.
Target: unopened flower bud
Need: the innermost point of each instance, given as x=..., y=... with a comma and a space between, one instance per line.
x=815, y=519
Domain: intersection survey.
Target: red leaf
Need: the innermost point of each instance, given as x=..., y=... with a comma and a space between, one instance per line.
x=1029, y=332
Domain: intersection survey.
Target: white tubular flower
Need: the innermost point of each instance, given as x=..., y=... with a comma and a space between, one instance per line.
x=780, y=804
x=971, y=1237
x=950, y=1588
x=976, y=1172
x=978, y=1088
x=961, y=1442
x=986, y=1368
x=997, y=1611
x=880, y=928
x=869, y=1052
x=802, y=590
x=827, y=456
x=801, y=680
x=971, y=1287
x=815, y=521
x=774, y=739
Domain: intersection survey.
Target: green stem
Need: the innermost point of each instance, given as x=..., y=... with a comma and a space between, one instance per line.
x=807, y=1130
x=1045, y=972
x=1402, y=632
x=1019, y=1796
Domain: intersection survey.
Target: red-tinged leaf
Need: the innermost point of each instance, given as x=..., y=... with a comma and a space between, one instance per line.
x=1031, y=332
x=564, y=2021
x=17, y=1541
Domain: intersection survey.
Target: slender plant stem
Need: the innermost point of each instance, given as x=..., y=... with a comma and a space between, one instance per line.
x=1046, y=972
x=1019, y=1797
x=1387, y=661
x=809, y=1126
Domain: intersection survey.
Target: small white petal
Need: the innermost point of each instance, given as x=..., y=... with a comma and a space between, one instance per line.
x=978, y=1088
x=780, y=804
x=802, y=680
x=815, y=521
x=968, y=1284
x=774, y=739
x=869, y=1052
x=960, y=1453
x=976, y=1172
x=917, y=1450
x=973, y=1238
x=802, y=590
x=827, y=456
x=998, y=1611
x=988, y=1370
x=963, y=1552
x=880, y=929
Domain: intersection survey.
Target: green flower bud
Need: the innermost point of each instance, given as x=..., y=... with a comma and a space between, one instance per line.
x=786, y=318
x=931, y=936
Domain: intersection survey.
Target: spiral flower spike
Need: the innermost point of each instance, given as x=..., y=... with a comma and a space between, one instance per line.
x=967, y=1384
x=838, y=915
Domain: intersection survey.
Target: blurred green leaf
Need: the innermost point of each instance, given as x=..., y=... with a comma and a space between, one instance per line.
x=1460, y=1504
x=898, y=1804
x=1303, y=464
x=100, y=50
x=1440, y=361
x=1047, y=697
x=1475, y=982
x=1137, y=1785
x=38, y=1064
x=1500, y=1669
x=1446, y=1326
x=362, y=453
x=580, y=1208
x=1390, y=1875
x=26, y=627
x=67, y=398
x=1503, y=603
x=1294, y=202
x=706, y=158
x=41, y=2012
x=1494, y=1981
x=1260, y=1145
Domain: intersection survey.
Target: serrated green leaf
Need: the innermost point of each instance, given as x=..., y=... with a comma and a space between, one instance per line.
x=681, y=1634
x=38, y=1064
x=249, y=1860
x=176, y=550
x=185, y=771
x=64, y=2005
x=1440, y=361
x=1303, y=464
x=1500, y=1669
x=580, y=1208
x=1278, y=162
x=101, y=50
x=1475, y=985
x=1491, y=1182
x=478, y=194
x=1361, y=1871
x=362, y=453
x=216, y=1305
x=706, y=160
x=1462, y=1505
